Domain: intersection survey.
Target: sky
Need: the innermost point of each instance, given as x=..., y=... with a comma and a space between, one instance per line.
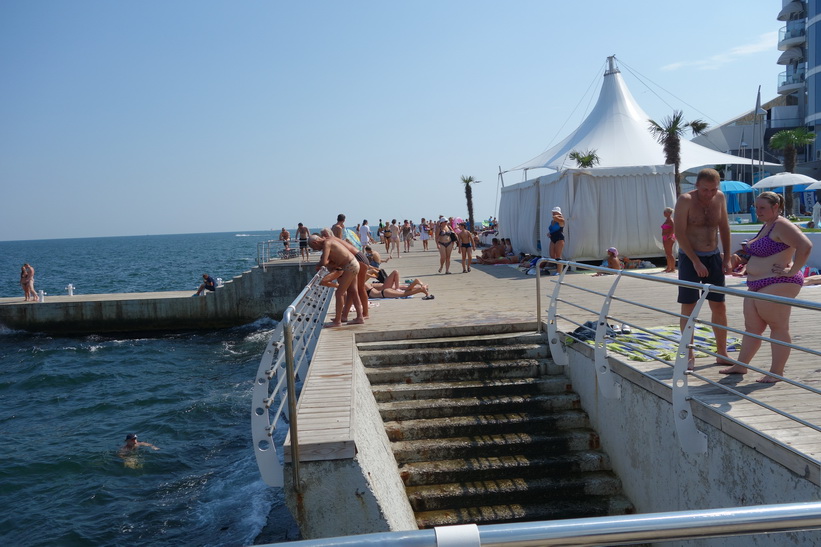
x=159, y=117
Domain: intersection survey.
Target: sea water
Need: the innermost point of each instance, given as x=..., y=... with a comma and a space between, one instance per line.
x=67, y=403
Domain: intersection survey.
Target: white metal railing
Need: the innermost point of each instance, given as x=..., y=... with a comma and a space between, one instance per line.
x=616, y=530
x=283, y=366
x=275, y=249
x=690, y=438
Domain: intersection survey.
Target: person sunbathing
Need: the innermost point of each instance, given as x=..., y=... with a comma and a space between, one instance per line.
x=613, y=262
x=381, y=290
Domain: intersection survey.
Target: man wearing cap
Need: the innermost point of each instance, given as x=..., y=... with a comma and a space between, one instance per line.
x=131, y=444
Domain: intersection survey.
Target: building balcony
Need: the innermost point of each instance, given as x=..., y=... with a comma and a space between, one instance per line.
x=789, y=83
x=793, y=11
x=792, y=56
x=791, y=37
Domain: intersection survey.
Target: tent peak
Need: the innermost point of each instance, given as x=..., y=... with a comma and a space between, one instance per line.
x=612, y=68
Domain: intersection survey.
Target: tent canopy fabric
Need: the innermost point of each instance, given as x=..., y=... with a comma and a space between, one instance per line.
x=602, y=208
x=618, y=130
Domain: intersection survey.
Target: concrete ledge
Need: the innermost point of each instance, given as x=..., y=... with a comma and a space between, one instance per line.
x=774, y=450
x=357, y=488
x=254, y=294
x=741, y=467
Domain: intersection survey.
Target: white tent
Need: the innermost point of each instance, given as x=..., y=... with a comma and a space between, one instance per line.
x=619, y=207
x=620, y=201
x=617, y=129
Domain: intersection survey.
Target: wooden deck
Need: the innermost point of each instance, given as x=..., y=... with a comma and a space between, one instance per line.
x=498, y=295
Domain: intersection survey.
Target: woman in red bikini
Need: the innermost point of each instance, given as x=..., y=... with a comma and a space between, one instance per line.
x=668, y=239
x=777, y=256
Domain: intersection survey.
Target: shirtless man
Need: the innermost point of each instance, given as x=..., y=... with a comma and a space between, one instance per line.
x=338, y=229
x=302, y=234
x=701, y=219
x=285, y=237
x=336, y=255
x=132, y=444
x=495, y=252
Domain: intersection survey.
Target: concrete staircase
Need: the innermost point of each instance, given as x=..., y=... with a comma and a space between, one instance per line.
x=487, y=430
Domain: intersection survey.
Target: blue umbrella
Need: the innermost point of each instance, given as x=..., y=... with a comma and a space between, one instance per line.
x=731, y=188
x=735, y=187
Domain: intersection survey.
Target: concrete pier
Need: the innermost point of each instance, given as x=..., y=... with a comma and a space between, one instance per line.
x=257, y=293
x=754, y=456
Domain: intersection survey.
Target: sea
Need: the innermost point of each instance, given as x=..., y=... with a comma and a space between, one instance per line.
x=67, y=403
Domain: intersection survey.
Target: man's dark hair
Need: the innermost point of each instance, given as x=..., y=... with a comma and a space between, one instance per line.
x=340, y=217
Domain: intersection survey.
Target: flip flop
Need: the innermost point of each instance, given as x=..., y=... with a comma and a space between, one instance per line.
x=429, y=297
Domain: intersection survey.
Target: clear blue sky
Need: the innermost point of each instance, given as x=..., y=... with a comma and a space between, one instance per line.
x=155, y=117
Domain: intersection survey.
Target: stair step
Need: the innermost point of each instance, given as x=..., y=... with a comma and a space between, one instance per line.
x=454, y=341
x=465, y=406
x=487, y=424
x=470, y=370
x=491, y=387
x=495, y=445
x=591, y=506
x=442, y=408
x=453, y=355
x=433, y=497
x=486, y=468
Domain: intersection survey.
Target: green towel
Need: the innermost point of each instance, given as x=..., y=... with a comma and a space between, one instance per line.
x=661, y=348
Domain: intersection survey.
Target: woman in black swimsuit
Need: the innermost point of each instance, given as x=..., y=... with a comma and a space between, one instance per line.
x=444, y=241
x=379, y=290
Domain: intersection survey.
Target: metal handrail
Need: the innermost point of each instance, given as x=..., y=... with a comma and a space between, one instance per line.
x=615, y=530
x=273, y=249
x=284, y=363
x=691, y=440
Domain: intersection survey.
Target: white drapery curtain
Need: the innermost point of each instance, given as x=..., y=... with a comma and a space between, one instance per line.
x=518, y=216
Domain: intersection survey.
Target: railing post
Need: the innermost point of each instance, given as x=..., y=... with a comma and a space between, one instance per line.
x=539, y=294
x=291, y=380
x=607, y=383
x=557, y=351
x=691, y=439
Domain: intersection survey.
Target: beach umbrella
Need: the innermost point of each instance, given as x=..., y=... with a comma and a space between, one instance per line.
x=813, y=186
x=783, y=179
x=735, y=187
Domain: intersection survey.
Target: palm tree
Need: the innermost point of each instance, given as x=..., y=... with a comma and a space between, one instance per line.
x=585, y=159
x=789, y=140
x=467, y=181
x=669, y=135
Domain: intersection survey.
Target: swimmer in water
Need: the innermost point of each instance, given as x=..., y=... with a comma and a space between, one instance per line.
x=132, y=444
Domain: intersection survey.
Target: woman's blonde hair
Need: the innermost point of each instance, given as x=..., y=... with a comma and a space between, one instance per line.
x=668, y=210
x=773, y=199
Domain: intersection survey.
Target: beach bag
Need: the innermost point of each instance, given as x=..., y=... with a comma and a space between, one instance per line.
x=381, y=277
x=452, y=237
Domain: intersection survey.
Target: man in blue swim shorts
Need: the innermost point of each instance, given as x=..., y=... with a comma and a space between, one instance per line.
x=701, y=218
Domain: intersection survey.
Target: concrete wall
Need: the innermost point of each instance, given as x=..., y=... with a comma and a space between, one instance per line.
x=250, y=296
x=638, y=433
x=362, y=495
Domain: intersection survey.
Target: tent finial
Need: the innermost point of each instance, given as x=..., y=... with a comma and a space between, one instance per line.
x=611, y=66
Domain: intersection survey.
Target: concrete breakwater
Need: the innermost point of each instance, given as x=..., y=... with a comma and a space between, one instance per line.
x=254, y=294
